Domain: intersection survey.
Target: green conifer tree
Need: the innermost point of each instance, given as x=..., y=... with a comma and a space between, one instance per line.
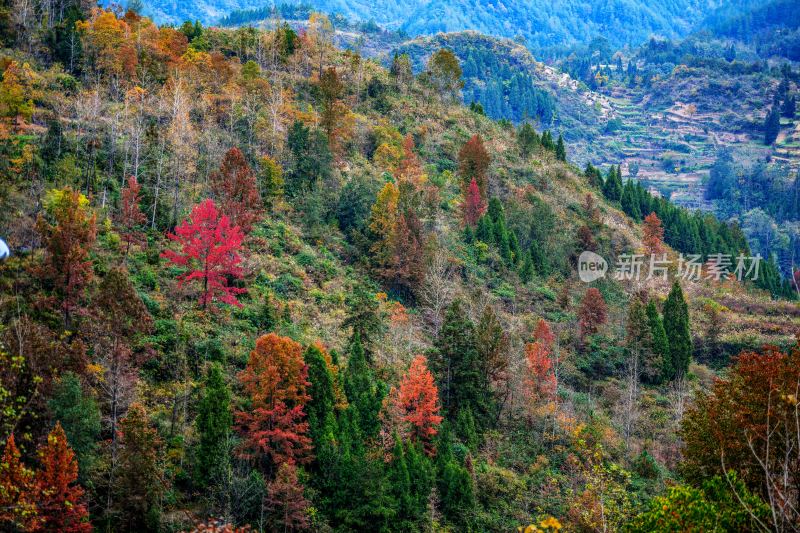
x=214, y=421
x=526, y=271
x=676, y=326
x=772, y=125
x=462, y=382
x=362, y=391
x=80, y=417
x=660, y=365
x=561, y=150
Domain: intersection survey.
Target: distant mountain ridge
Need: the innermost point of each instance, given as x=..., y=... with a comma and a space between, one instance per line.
x=541, y=24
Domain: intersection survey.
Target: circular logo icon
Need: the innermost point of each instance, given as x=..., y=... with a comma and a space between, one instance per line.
x=591, y=266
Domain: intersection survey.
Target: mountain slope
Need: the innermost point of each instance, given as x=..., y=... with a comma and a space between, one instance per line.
x=504, y=77
x=542, y=24
x=562, y=23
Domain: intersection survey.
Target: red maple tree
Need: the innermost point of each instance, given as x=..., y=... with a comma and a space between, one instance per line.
x=592, y=314
x=416, y=401
x=209, y=251
x=474, y=204
x=17, y=491
x=276, y=379
x=653, y=239
x=130, y=215
x=234, y=187
x=61, y=500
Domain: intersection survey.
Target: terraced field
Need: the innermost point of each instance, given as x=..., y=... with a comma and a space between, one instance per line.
x=672, y=148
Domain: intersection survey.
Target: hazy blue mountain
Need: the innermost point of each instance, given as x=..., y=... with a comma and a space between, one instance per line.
x=541, y=24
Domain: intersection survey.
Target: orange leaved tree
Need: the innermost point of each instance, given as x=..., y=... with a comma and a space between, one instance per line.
x=274, y=426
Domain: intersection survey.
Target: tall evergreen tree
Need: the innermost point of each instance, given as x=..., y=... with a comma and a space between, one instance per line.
x=612, y=187
x=561, y=150
x=676, y=326
x=79, y=415
x=364, y=317
x=527, y=139
x=400, y=483
x=320, y=407
x=772, y=125
x=362, y=390
x=638, y=336
x=789, y=107
x=659, y=365
x=456, y=363
x=214, y=422
x=629, y=201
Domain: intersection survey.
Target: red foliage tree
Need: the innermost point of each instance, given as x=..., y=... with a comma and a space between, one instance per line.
x=286, y=500
x=541, y=377
x=209, y=251
x=17, y=492
x=544, y=334
x=653, y=239
x=276, y=380
x=130, y=215
x=61, y=500
x=416, y=401
x=234, y=186
x=68, y=232
x=748, y=422
x=407, y=267
x=473, y=163
x=409, y=169
x=474, y=204
x=592, y=314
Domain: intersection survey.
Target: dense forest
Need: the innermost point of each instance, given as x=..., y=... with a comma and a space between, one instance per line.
x=550, y=29
x=261, y=283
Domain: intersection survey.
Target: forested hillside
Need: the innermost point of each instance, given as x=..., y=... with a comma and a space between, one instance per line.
x=545, y=27
x=258, y=282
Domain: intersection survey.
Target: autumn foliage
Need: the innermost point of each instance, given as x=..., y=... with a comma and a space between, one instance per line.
x=286, y=501
x=61, y=501
x=130, y=214
x=749, y=422
x=593, y=312
x=653, y=238
x=538, y=354
x=234, y=187
x=273, y=428
x=409, y=168
x=48, y=499
x=209, y=252
x=398, y=247
x=416, y=402
x=474, y=204
x=17, y=491
x=473, y=164
x=68, y=231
